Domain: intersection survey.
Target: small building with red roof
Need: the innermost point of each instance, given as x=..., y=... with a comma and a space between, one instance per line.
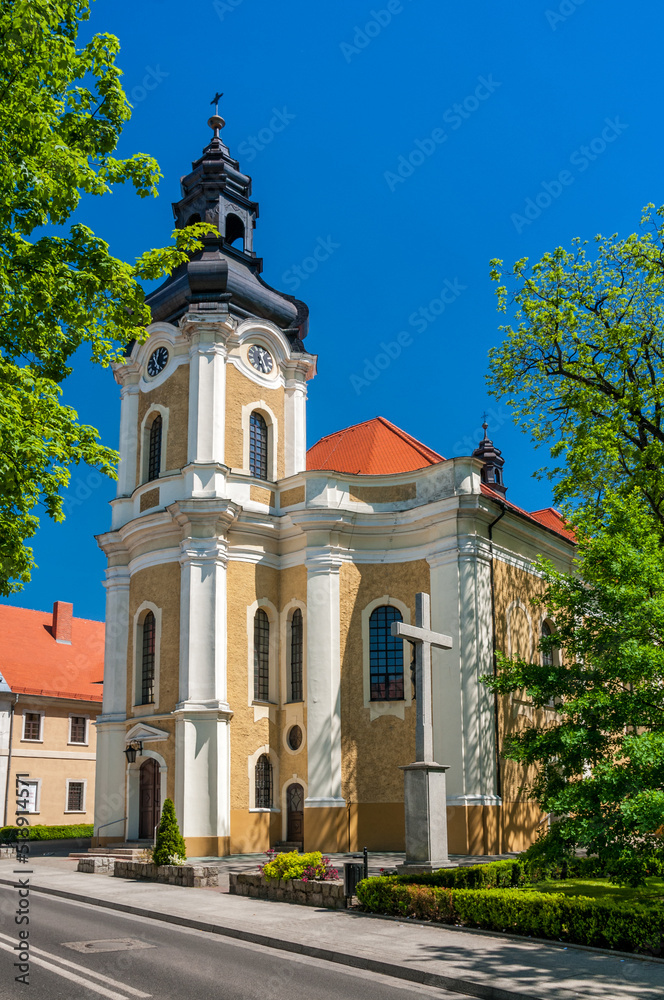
x=51, y=678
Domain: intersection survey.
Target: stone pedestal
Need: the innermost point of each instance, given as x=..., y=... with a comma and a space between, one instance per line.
x=426, y=817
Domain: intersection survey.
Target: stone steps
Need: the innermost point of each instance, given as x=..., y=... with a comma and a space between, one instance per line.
x=284, y=846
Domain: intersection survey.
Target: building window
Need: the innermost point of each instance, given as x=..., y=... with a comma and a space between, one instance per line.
x=32, y=726
x=77, y=729
x=147, y=659
x=547, y=654
x=258, y=446
x=261, y=656
x=28, y=795
x=154, y=449
x=264, y=782
x=386, y=655
x=75, y=796
x=296, y=656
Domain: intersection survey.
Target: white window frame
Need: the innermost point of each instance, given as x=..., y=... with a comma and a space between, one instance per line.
x=37, y=783
x=28, y=739
x=155, y=408
x=273, y=618
x=380, y=708
x=76, y=781
x=79, y=743
x=260, y=406
x=153, y=707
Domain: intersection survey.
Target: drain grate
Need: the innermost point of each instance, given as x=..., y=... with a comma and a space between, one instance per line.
x=111, y=944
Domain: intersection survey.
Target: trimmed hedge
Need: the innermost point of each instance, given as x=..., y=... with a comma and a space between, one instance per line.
x=630, y=926
x=78, y=830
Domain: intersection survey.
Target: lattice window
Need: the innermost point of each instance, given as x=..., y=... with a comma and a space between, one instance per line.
x=154, y=452
x=385, y=655
x=261, y=656
x=296, y=656
x=148, y=659
x=32, y=726
x=258, y=446
x=263, y=782
x=547, y=654
x=76, y=796
x=77, y=727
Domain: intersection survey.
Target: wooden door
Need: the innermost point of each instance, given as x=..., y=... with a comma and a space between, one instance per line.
x=149, y=799
x=295, y=800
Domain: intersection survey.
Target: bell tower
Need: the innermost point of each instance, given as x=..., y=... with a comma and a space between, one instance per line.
x=213, y=419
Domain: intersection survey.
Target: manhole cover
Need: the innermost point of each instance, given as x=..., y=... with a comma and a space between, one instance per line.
x=111, y=944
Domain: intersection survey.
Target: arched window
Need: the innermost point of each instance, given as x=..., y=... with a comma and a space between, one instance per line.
x=234, y=229
x=263, y=782
x=547, y=654
x=148, y=659
x=258, y=446
x=261, y=656
x=154, y=449
x=295, y=693
x=385, y=655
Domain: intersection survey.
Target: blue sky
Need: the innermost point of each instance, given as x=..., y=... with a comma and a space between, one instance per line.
x=414, y=140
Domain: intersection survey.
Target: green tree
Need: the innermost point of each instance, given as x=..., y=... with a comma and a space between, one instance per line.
x=62, y=111
x=169, y=838
x=599, y=767
x=582, y=364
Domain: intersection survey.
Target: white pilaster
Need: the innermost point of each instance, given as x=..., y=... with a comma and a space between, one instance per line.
x=110, y=797
x=323, y=679
x=463, y=714
x=129, y=430
x=116, y=644
x=207, y=408
x=202, y=766
x=203, y=672
x=295, y=431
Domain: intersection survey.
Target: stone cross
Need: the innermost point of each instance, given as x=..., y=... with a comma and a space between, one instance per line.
x=425, y=795
x=423, y=638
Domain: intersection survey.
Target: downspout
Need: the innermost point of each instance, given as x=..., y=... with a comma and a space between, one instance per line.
x=9, y=758
x=495, y=672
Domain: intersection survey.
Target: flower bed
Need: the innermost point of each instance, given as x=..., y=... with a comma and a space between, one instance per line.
x=191, y=876
x=308, y=892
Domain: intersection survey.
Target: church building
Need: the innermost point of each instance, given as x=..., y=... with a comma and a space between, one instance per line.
x=250, y=671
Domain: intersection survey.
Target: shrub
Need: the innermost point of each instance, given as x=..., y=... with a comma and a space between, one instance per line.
x=76, y=830
x=577, y=919
x=169, y=838
x=292, y=865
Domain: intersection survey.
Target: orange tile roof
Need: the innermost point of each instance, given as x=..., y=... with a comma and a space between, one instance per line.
x=378, y=448
x=373, y=448
x=32, y=662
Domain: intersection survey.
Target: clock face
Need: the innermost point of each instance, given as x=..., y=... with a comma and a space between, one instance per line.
x=158, y=361
x=260, y=359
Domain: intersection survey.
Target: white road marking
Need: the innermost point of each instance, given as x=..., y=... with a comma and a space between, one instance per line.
x=35, y=952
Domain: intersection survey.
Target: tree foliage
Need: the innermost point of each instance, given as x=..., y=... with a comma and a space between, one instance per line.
x=62, y=111
x=599, y=765
x=582, y=364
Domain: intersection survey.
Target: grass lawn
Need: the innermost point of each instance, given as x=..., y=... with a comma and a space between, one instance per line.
x=598, y=888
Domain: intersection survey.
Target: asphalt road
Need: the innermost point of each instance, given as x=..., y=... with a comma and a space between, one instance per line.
x=152, y=959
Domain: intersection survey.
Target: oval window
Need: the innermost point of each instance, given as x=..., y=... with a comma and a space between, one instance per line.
x=295, y=738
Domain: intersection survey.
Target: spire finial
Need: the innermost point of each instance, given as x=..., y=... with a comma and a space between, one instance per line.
x=216, y=122
x=485, y=425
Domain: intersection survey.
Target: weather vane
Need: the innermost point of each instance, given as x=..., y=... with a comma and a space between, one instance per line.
x=215, y=100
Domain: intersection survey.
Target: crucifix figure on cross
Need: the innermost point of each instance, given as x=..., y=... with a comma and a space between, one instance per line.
x=425, y=795
x=423, y=639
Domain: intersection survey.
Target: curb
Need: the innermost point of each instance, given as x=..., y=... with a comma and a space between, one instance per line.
x=419, y=976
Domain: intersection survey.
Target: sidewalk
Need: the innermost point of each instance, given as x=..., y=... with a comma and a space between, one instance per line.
x=481, y=964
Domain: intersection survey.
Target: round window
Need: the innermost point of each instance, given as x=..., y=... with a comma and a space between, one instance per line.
x=295, y=738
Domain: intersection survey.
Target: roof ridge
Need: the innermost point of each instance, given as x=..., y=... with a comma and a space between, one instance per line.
x=419, y=445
